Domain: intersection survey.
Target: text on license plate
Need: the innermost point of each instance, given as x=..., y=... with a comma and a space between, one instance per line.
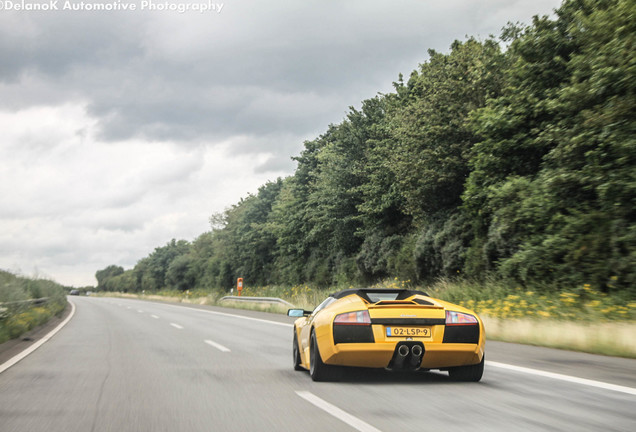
x=408, y=331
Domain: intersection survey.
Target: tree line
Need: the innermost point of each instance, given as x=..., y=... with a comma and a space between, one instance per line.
x=512, y=157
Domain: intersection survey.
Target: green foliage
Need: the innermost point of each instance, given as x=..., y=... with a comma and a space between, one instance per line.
x=432, y=138
x=553, y=188
x=441, y=248
x=103, y=276
x=516, y=163
x=149, y=273
x=375, y=253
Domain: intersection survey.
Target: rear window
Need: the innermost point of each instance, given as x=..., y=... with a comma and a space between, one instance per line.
x=376, y=297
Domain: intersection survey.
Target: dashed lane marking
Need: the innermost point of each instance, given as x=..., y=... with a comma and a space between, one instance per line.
x=217, y=345
x=344, y=416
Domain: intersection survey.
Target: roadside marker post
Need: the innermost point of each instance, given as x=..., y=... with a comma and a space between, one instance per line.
x=239, y=285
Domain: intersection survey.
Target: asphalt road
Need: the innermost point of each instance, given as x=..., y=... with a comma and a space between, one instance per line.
x=129, y=365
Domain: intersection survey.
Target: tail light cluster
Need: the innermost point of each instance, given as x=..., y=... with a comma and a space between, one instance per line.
x=459, y=318
x=353, y=327
x=353, y=318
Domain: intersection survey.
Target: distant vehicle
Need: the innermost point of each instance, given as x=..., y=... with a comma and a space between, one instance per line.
x=388, y=328
x=75, y=292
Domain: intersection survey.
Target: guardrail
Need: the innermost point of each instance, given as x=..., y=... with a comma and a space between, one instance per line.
x=10, y=308
x=257, y=300
x=30, y=301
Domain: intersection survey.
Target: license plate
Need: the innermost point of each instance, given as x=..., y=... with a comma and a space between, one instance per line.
x=408, y=331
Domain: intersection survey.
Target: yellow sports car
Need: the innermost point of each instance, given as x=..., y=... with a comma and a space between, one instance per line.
x=388, y=328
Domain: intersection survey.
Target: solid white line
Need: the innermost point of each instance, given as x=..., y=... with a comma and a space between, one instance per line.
x=154, y=316
x=352, y=421
x=13, y=360
x=230, y=315
x=217, y=345
x=236, y=316
x=568, y=378
x=176, y=326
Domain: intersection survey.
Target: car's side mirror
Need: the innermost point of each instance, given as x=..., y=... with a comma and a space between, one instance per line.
x=297, y=313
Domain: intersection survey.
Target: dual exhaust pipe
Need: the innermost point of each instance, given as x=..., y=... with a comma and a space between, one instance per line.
x=407, y=356
x=415, y=351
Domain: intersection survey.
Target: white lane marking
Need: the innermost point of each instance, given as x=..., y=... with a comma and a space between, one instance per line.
x=13, y=360
x=352, y=421
x=561, y=377
x=154, y=316
x=236, y=316
x=230, y=315
x=176, y=326
x=217, y=345
x=140, y=311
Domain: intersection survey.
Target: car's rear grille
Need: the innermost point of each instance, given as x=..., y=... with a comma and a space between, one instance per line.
x=409, y=321
x=461, y=334
x=352, y=334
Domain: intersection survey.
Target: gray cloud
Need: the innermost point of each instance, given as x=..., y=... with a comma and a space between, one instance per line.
x=256, y=68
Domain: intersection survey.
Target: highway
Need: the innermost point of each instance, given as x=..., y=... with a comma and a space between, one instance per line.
x=131, y=365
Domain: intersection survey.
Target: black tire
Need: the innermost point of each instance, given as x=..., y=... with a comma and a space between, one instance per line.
x=318, y=370
x=472, y=373
x=296, y=353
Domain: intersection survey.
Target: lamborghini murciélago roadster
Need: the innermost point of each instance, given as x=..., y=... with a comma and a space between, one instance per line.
x=388, y=328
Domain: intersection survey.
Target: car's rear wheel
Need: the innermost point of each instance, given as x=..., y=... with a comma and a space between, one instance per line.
x=296, y=353
x=318, y=370
x=472, y=373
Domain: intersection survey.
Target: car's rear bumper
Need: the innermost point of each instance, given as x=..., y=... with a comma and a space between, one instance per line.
x=379, y=355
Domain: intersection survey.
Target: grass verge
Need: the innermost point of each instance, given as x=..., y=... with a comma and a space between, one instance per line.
x=609, y=338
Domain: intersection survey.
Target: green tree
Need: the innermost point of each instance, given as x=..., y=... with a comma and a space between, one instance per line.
x=553, y=186
x=180, y=274
x=104, y=277
x=432, y=137
x=150, y=272
x=244, y=241
x=124, y=282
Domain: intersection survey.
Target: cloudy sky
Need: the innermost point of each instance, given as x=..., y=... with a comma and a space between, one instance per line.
x=120, y=130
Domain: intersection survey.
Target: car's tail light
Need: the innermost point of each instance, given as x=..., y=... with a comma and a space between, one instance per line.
x=353, y=318
x=459, y=318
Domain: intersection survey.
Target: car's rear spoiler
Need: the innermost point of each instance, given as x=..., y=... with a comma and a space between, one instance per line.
x=402, y=294
x=416, y=303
